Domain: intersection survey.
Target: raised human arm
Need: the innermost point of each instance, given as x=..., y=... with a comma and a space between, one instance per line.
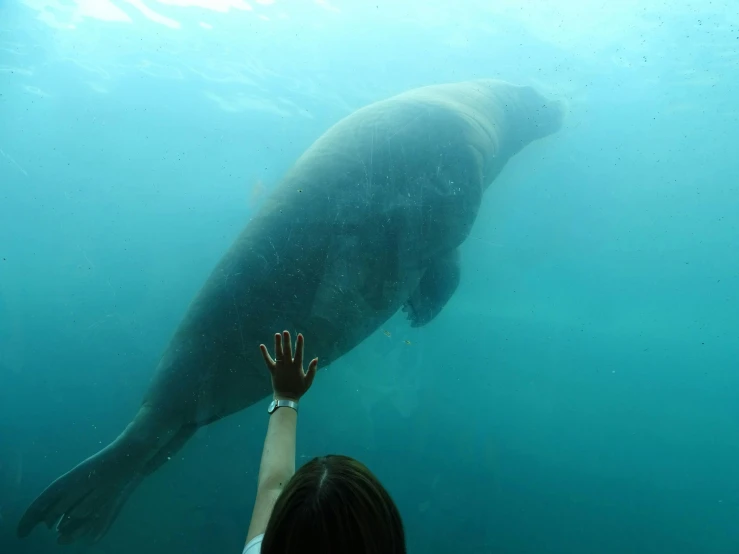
x=289, y=382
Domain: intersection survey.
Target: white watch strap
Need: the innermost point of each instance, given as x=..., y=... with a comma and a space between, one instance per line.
x=282, y=404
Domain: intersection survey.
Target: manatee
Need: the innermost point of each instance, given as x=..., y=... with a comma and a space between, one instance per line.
x=366, y=222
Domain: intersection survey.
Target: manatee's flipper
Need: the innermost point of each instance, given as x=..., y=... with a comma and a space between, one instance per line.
x=85, y=501
x=435, y=289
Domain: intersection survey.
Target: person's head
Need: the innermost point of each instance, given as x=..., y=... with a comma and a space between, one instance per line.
x=334, y=505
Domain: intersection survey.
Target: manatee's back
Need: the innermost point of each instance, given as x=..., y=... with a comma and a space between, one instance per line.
x=418, y=159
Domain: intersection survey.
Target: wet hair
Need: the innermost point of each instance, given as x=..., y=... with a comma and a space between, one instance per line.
x=334, y=505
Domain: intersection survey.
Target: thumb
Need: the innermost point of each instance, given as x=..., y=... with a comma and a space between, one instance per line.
x=311, y=373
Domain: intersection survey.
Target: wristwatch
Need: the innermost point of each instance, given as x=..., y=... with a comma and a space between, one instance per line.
x=282, y=404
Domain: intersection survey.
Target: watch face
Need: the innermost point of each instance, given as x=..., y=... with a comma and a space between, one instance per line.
x=272, y=406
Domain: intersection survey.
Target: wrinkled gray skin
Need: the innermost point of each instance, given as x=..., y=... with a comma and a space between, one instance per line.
x=367, y=222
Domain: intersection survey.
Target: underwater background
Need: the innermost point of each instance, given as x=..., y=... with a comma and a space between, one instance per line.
x=579, y=392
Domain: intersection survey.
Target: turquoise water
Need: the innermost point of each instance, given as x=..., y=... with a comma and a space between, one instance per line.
x=576, y=395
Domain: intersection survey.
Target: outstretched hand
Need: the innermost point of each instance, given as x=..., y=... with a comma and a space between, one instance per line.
x=289, y=381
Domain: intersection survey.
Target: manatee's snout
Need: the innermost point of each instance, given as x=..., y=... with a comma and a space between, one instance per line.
x=547, y=113
x=554, y=114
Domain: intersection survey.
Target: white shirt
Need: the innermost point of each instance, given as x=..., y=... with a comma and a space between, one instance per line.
x=254, y=546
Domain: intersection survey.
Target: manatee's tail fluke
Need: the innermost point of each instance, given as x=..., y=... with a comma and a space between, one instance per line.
x=84, y=502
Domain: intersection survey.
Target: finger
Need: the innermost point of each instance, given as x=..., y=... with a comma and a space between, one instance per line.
x=299, y=347
x=311, y=374
x=278, y=348
x=287, y=346
x=267, y=358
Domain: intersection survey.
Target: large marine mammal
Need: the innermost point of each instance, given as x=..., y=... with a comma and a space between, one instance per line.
x=367, y=221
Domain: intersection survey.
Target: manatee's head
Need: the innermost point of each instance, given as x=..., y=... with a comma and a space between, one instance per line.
x=529, y=115
x=542, y=116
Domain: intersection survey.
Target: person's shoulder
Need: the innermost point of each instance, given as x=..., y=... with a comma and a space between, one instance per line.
x=254, y=546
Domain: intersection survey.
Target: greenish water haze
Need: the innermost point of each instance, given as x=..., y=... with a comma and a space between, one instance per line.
x=579, y=392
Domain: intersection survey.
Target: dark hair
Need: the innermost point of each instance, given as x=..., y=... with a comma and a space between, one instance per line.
x=334, y=505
